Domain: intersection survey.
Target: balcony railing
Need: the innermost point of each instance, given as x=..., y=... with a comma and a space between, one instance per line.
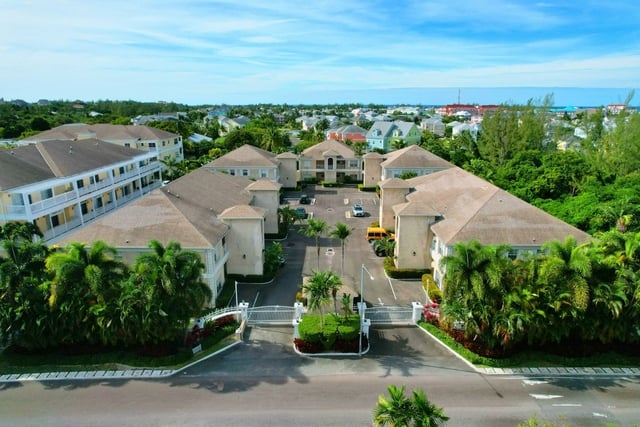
x=62, y=228
x=53, y=201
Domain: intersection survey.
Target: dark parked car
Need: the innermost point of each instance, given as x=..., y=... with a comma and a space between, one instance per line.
x=302, y=213
x=305, y=200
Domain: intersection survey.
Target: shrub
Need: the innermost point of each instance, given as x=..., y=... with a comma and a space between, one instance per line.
x=330, y=184
x=430, y=285
x=308, y=347
x=361, y=187
x=403, y=273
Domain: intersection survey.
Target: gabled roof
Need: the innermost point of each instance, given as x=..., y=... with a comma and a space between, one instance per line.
x=394, y=183
x=329, y=146
x=264, y=184
x=32, y=163
x=246, y=155
x=386, y=128
x=186, y=210
x=414, y=156
x=474, y=209
x=102, y=131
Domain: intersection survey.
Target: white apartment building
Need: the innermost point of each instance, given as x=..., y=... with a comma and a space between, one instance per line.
x=61, y=185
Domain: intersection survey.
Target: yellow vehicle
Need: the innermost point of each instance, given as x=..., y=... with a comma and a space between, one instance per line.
x=378, y=233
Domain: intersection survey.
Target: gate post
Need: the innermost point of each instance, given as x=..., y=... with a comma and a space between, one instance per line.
x=244, y=310
x=298, y=308
x=417, y=312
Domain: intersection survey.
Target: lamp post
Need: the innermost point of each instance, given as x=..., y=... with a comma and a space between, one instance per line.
x=236, y=285
x=362, y=305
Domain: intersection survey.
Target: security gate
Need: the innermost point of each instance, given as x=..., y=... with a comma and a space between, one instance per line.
x=270, y=315
x=389, y=315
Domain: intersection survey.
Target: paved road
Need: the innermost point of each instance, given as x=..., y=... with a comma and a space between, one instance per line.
x=262, y=383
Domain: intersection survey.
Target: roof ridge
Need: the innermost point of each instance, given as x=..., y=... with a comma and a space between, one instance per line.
x=48, y=159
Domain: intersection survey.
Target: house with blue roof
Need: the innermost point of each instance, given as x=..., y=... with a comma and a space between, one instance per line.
x=388, y=136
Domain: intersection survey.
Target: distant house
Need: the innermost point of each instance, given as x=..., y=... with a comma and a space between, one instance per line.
x=330, y=160
x=228, y=124
x=62, y=185
x=197, y=138
x=351, y=133
x=434, y=125
x=384, y=135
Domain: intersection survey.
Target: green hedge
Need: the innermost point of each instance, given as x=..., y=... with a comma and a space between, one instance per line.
x=330, y=184
x=361, y=187
x=403, y=273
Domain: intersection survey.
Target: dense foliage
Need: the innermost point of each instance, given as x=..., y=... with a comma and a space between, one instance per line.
x=80, y=296
x=572, y=297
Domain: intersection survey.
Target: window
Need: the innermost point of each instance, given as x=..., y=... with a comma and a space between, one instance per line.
x=232, y=172
x=353, y=164
x=330, y=163
x=164, y=143
x=121, y=170
x=175, y=141
x=99, y=202
x=127, y=145
x=55, y=221
x=306, y=164
x=263, y=173
x=245, y=172
x=151, y=144
x=80, y=183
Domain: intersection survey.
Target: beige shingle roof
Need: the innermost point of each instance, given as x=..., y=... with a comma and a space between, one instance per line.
x=414, y=156
x=246, y=155
x=102, y=131
x=394, y=183
x=331, y=145
x=264, y=184
x=186, y=210
x=32, y=163
x=474, y=209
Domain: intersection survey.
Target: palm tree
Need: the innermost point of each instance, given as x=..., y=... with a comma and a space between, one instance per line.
x=402, y=411
x=174, y=275
x=287, y=217
x=84, y=286
x=341, y=231
x=384, y=246
x=314, y=229
x=319, y=288
x=568, y=264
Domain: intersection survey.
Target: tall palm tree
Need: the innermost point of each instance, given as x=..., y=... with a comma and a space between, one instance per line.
x=399, y=410
x=320, y=287
x=314, y=229
x=342, y=232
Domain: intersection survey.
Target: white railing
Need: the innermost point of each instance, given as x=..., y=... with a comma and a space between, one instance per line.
x=52, y=201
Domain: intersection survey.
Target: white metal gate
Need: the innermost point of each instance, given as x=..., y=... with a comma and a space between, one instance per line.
x=389, y=315
x=270, y=315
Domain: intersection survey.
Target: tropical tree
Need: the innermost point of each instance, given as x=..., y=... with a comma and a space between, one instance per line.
x=84, y=285
x=398, y=410
x=24, y=310
x=314, y=229
x=319, y=289
x=179, y=294
x=384, y=246
x=341, y=231
x=287, y=217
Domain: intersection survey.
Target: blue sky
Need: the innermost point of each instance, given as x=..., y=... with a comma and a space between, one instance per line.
x=333, y=51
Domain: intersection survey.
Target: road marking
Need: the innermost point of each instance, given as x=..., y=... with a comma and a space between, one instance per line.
x=256, y=299
x=392, y=290
x=346, y=201
x=597, y=414
x=545, y=396
x=571, y=405
x=534, y=382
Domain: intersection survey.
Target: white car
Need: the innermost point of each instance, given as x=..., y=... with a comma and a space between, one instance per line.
x=357, y=210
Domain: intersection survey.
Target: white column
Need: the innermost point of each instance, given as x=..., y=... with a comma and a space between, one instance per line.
x=417, y=312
